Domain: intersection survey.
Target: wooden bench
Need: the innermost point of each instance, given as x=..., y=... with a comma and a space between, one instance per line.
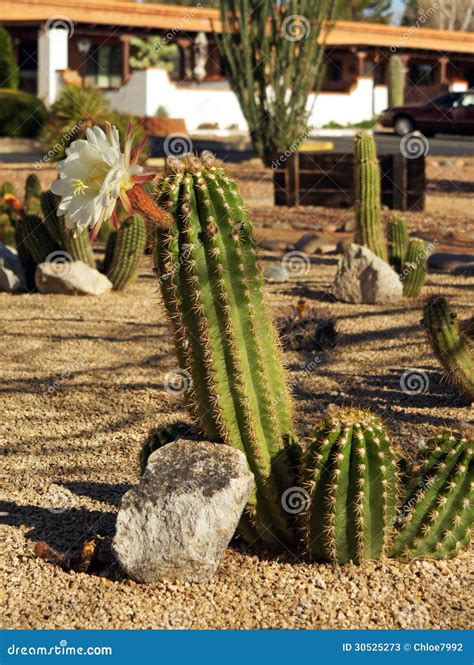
x=320, y=179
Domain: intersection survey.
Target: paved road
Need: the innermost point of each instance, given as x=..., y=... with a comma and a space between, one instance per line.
x=442, y=146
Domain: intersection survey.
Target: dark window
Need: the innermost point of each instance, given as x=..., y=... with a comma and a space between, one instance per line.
x=333, y=70
x=421, y=73
x=103, y=66
x=27, y=64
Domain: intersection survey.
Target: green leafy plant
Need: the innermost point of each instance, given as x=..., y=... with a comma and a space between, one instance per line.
x=273, y=53
x=351, y=479
x=21, y=114
x=152, y=52
x=9, y=72
x=437, y=512
x=226, y=344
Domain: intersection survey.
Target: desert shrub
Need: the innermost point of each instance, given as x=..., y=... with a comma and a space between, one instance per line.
x=8, y=67
x=21, y=114
x=73, y=112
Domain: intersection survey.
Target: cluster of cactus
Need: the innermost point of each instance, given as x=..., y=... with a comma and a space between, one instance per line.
x=407, y=257
x=307, y=328
x=437, y=511
x=7, y=216
x=346, y=483
x=368, y=206
x=396, y=88
x=453, y=347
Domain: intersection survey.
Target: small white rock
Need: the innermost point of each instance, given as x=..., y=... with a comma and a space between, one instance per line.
x=71, y=278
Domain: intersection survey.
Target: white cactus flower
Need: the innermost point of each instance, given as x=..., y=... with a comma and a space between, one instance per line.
x=95, y=175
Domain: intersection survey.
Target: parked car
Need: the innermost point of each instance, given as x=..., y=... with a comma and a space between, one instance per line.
x=451, y=113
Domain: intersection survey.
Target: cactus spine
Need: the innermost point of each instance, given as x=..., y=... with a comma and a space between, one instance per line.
x=212, y=290
x=453, y=348
x=397, y=235
x=351, y=476
x=437, y=513
x=396, y=90
x=123, y=257
x=79, y=247
x=368, y=230
x=415, y=268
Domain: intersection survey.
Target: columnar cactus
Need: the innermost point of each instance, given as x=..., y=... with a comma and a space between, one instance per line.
x=396, y=89
x=128, y=247
x=437, y=512
x=415, y=269
x=37, y=240
x=453, y=348
x=212, y=290
x=397, y=236
x=32, y=195
x=368, y=231
x=79, y=247
x=351, y=477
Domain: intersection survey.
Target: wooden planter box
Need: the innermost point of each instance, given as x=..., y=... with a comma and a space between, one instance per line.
x=316, y=179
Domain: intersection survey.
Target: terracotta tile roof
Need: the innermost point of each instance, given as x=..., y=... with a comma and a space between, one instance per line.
x=190, y=19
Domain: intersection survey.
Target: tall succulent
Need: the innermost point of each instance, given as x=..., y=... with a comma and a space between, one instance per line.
x=368, y=231
x=33, y=195
x=415, y=269
x=436, y=516
x=213, y=292
x=396, y=89
x=453, y=348
x=351, y=477
x=124, y=250
x=397, y=236
x=79, y=247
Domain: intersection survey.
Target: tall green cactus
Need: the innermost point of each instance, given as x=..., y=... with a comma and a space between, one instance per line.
x=351, y=477
x=7, y=217
x=79, y=248
x=453, y=348
x=397, y=236
x=436, y=516
x=32, y=195
x=415, y=269
x=396, y=89
x=213, y=292
x=125, y=249
x=368, y=231
x=37, y=240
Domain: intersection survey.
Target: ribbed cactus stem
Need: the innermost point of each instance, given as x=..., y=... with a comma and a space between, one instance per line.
x=436, y=516
x=126, y=249
x=368, y=231
x=79, y=247
x=415, y=269
x=454, y=349
x=397, y=236
x=351, y=478
x=37, y=239
x=212, y=290
x=396, y=89
x=32, y=195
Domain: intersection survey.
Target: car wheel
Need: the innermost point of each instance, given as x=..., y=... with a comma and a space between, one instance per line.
x=403, y=125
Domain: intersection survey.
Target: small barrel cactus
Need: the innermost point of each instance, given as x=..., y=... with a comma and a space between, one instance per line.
x=368, y=231
x=79, y=247
x=351, y=477
x=397, y=236
x=212, y=289
x=453, y=348
x=415, y=269
x=124, y=250
x=437, y=512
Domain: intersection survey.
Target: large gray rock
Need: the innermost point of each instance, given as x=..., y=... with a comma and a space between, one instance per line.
x=177, y=523
x=362, y=277
x=70, y=278
x=12, y=277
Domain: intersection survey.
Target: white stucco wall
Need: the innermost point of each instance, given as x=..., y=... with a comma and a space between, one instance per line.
x=52, y=59
x=148, y=89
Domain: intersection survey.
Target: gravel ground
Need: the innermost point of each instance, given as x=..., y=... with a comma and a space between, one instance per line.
x=82, y=383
